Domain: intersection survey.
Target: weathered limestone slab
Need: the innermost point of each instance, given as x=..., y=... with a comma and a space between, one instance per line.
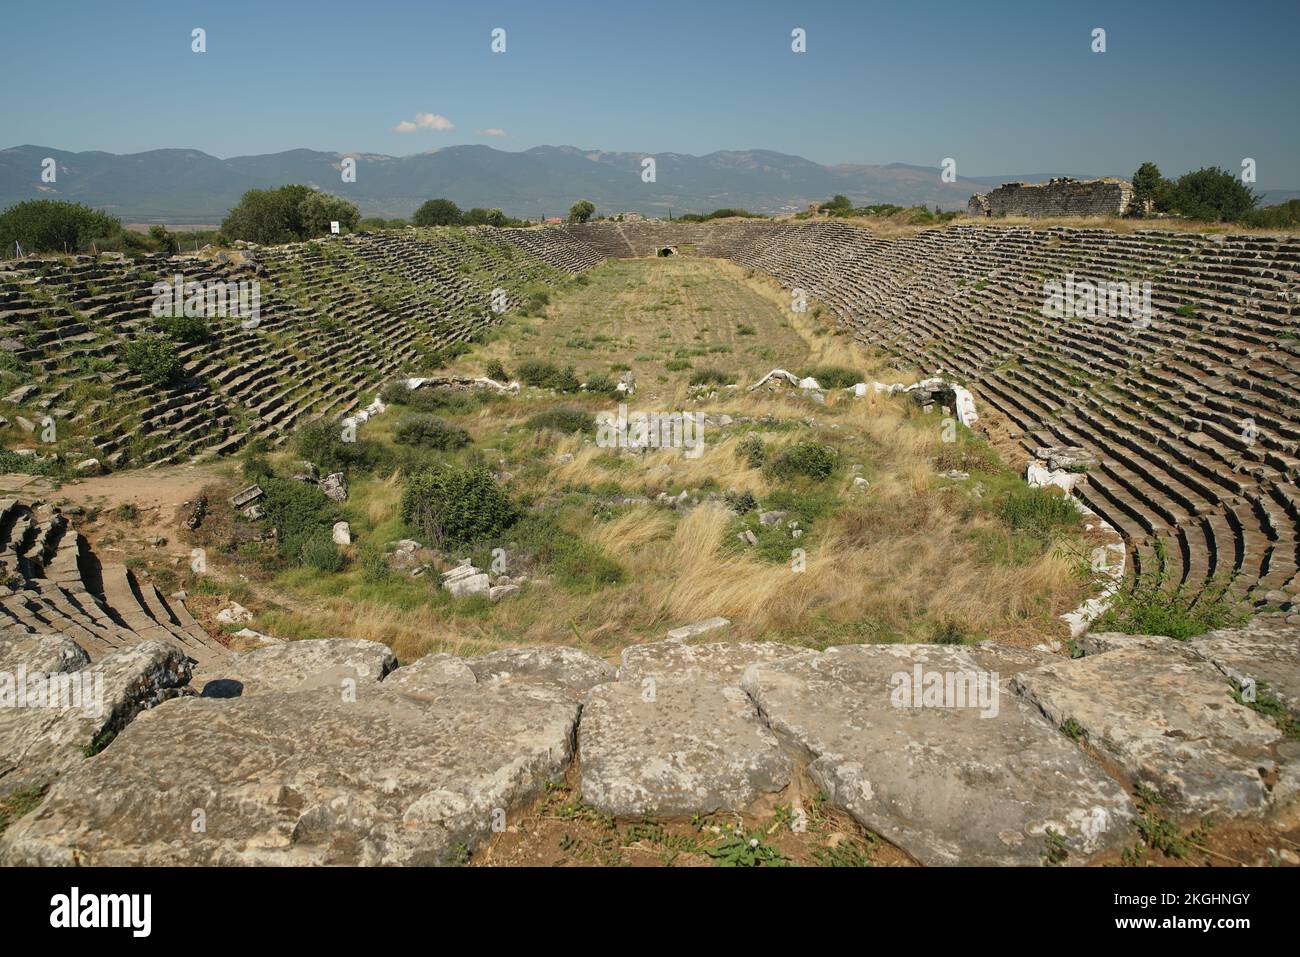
x=39, y=742
x=432, y=672
x=1267, y=650
x=675, y=748
x=697, y=628
x=1167, y=717
x=721, y=662
x=296, y=666
x=973, y=785
x=304, y=778
x=50, y=654
x=572, y=670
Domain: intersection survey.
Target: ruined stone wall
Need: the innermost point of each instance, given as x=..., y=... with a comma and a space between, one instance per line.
x=1057, y=197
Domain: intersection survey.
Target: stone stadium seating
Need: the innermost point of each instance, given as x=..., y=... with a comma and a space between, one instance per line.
x=336, y=318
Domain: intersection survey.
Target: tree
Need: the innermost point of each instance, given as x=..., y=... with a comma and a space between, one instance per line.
x=1147, y=183
x=319, y=210
x=47, y=225
x=838, y=202
x=581, y=211
x=165, y=240
x=1213, y=195
x=438, y=212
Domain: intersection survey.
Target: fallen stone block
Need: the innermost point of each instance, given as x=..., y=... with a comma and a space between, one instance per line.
x=1167, y=717
x=304, y=778
x=675, y=748
x=697, y=628
x=297, y=666
x=919, y=744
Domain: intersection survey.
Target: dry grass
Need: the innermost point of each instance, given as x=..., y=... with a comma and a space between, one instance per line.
x=894, y=562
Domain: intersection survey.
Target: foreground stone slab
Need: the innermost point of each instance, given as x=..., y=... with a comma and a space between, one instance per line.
x=1167, y=717
x=568, y=668
x=942, y=782
x=82, y=711
x=48, y=654
x=1267, y=651
x=722, y=662
x=431, y=673
x=296, y=666
x=305, y=778
x=675, y=747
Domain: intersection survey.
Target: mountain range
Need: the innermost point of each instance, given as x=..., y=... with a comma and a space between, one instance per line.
x=188, y=186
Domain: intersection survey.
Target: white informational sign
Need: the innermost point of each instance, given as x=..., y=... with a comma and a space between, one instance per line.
x=334, y=226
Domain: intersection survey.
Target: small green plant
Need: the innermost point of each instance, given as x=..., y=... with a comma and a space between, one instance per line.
x=738, y=849
x=153, y=359
x=1038, y=512
x=182, y=328
x=1054, y=850
x=1264, y=702
x=808, y=459
x=320, y=552
x=430, y=432
x=745, y=329
x=17, y=803
x=1150, y=609
x=752, y=449
x=710, y=376
x=832, y=377
x=496, y=371
x=563, y=419
x=740, y=502
x=1073, y=730
x=947, y=633
x=547, y=375
x=677, y=365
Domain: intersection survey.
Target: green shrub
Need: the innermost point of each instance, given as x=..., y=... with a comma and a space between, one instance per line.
x=1148, y=608
x=319, y=552
x=496, y=371
x=182, y=328
x=967, y=457
x=710, y=376
x=547, y=375
x=809, y=459
x=153, y=359
x=299, y=512
x=54, y=226
x=1039, y=512
x=322, y=443
x=752, y=449
x=601, y=384
x=451, y=506
x=832, y=377
x=677, y=365
x=574, y=562
x=396, y=392
x=745, y=329
x=564, y=419
x=430, y=432
x=740, y=502
x=374, y=567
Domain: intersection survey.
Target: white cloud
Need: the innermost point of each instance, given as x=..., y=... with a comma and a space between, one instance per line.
x=492, y=131
x=425, y=121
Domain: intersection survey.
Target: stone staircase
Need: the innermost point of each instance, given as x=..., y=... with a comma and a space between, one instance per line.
x=51, y=583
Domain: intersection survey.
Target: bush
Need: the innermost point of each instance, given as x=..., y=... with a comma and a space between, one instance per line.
x=182, y=328
x=1038, y=511
x=967, y=457
x=437, y=212
x=319, y=552
x=711, y=376
x=430, y=432
x=833, y=377
x=809, y=459
x=1150, y=609
x=53, y=226
x=450, y=506
x=752, y=450
x=677, y=365
x=153, y=359
x=741, y=502
x=396, y=392
x=286, y=214
x=321, y=443
x=574, y=562
x=601, y=384
x=564, y=419
x=496, y=371
x=547, y=375
x=299, y=512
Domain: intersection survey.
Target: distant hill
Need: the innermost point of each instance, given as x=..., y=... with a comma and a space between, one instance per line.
x=188, y=186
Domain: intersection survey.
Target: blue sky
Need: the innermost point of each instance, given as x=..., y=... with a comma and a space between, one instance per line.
x=1003, y=87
